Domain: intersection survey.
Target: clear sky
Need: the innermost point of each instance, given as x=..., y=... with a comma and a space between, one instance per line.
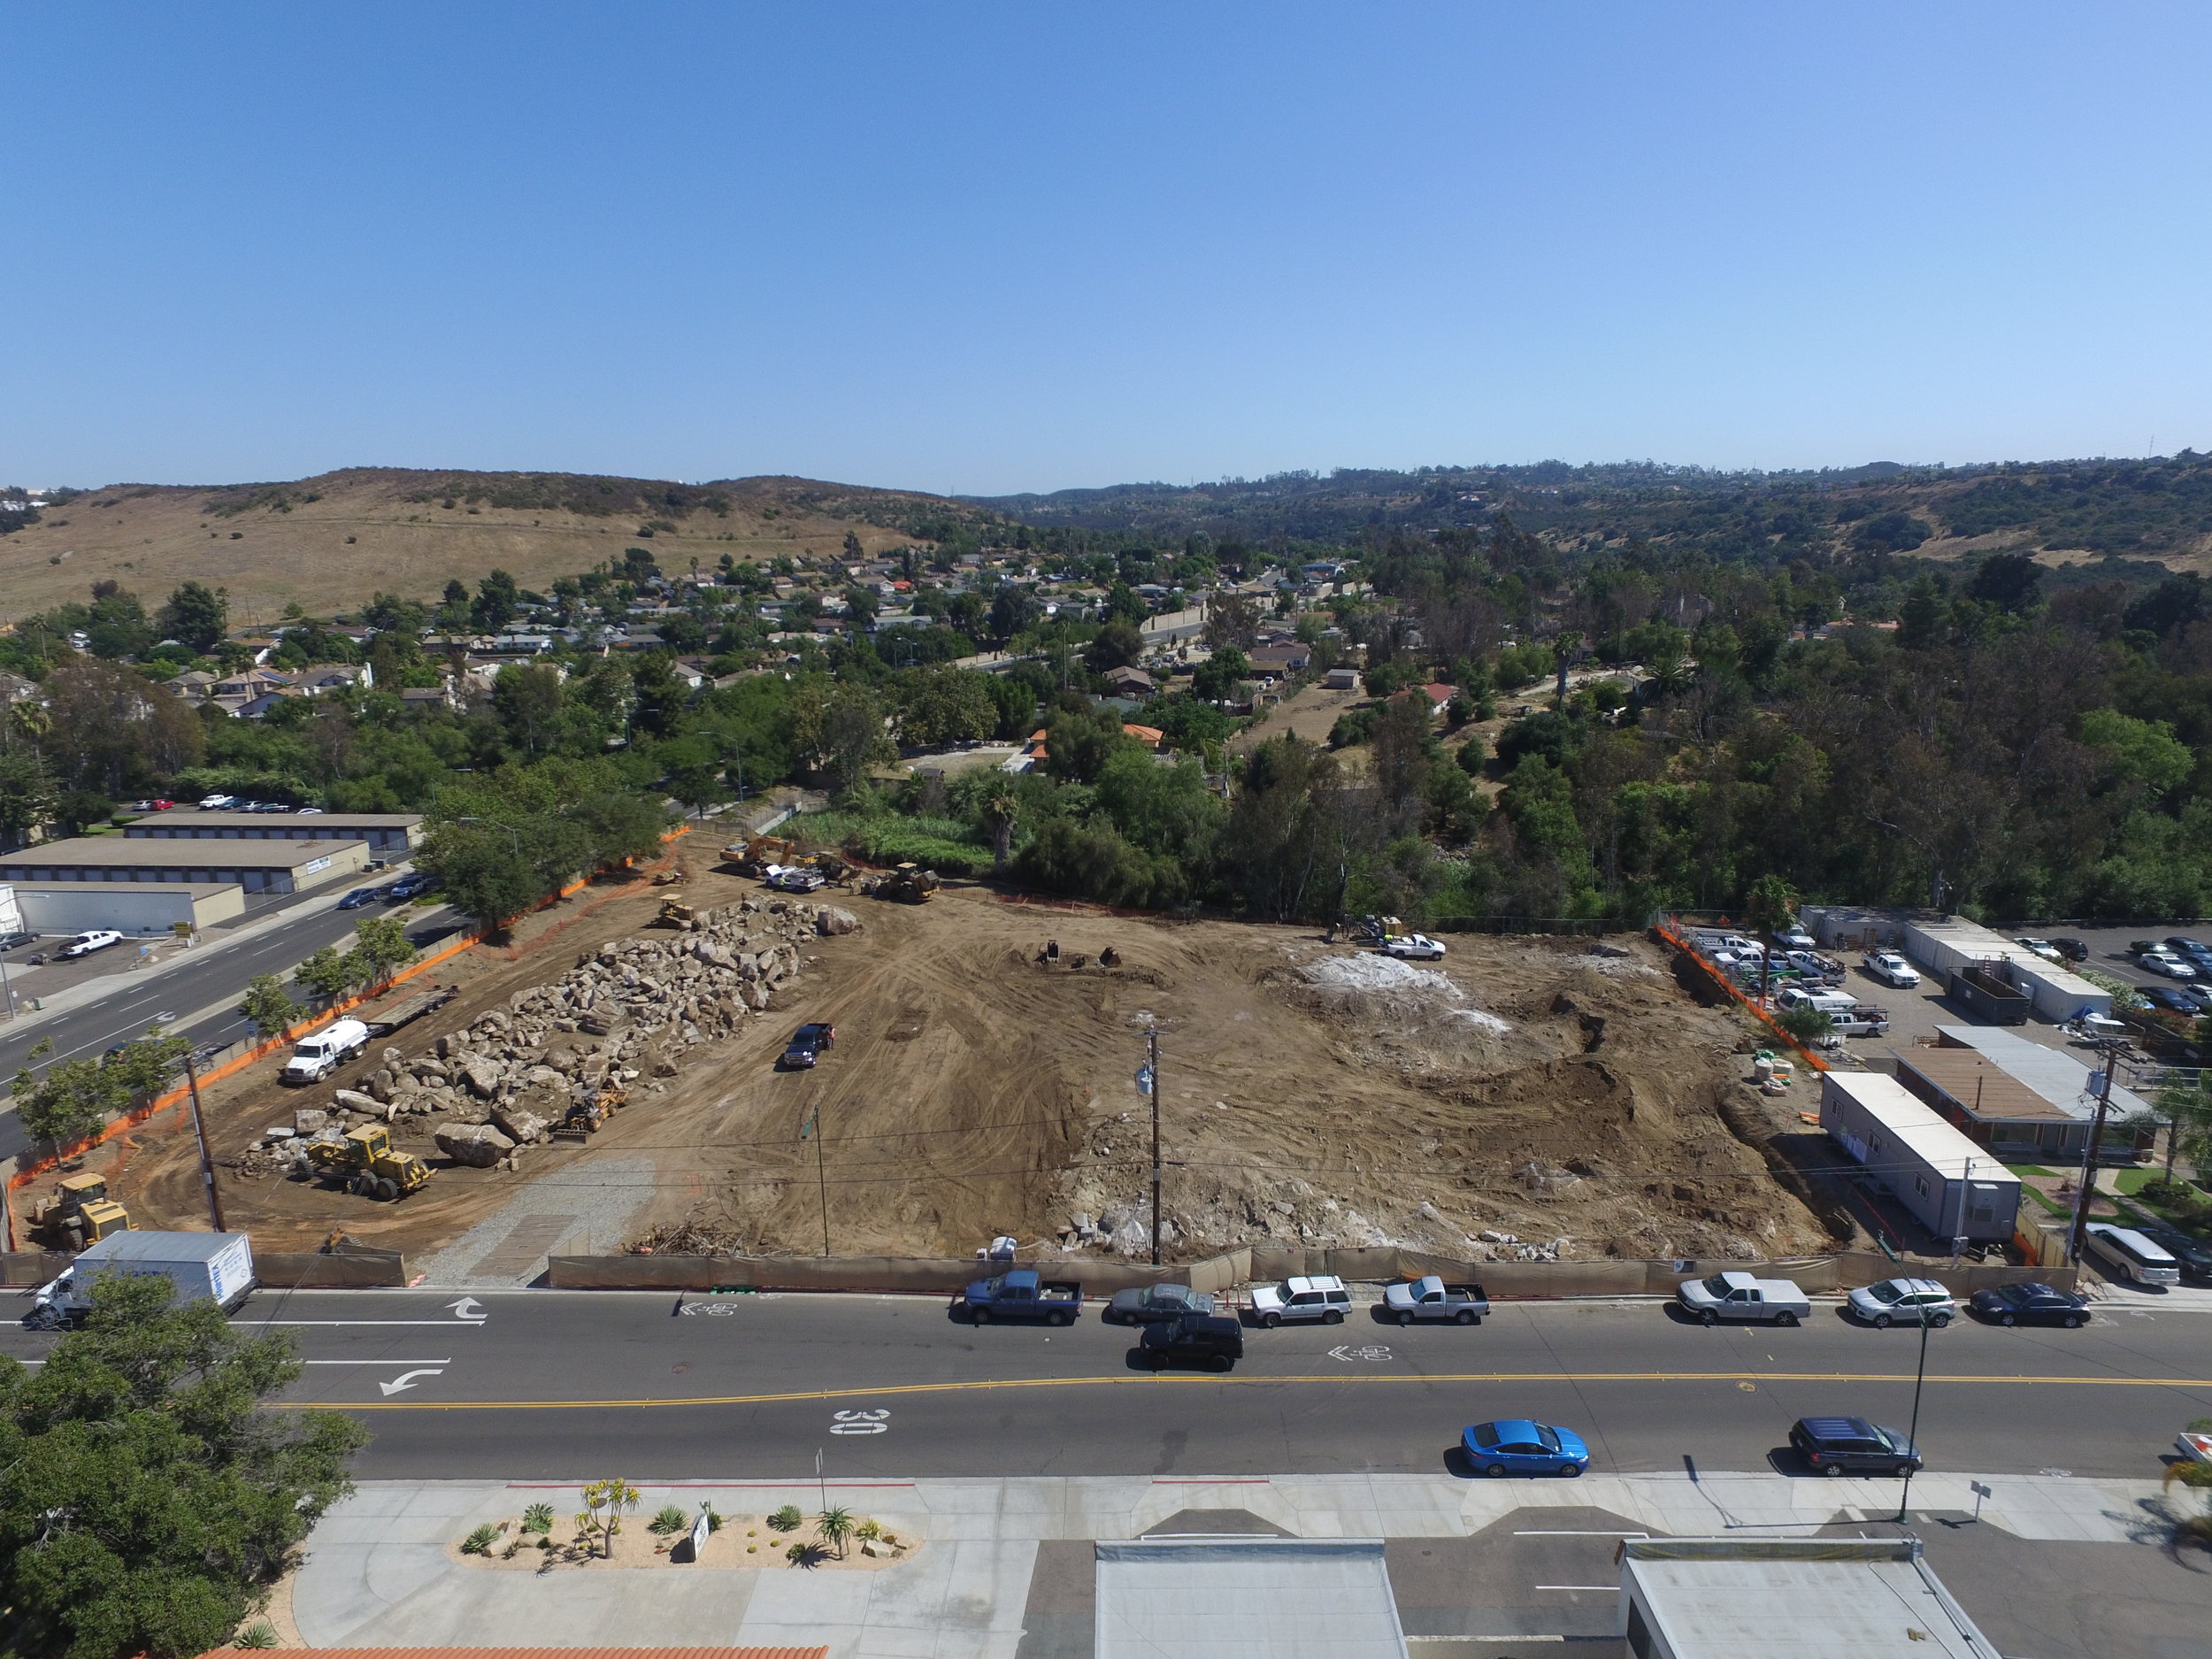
x=982, y=248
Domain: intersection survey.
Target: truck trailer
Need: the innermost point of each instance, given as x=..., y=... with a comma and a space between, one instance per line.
x=215, y=1267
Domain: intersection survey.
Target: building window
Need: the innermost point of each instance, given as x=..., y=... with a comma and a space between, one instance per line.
x=1920, y=1184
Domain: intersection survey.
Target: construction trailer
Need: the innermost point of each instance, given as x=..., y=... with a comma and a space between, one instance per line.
x=1953, y=1187
x=1945, y=944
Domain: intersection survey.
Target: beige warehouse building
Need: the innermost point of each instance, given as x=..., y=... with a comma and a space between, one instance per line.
x=257, y=866
x=132, y=908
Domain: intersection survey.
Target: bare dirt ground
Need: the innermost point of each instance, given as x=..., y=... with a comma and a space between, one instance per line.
x=1310, y=1093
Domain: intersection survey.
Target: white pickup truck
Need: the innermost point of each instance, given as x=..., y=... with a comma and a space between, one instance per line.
x=1741, y=1297
x=1431, y=1299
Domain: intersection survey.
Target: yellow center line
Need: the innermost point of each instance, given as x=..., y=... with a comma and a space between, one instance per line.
x=887, y=1390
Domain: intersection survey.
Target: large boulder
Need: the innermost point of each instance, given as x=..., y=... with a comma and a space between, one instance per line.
x=520, y=1126
x=834, y=919
x=354, y=1101
x=480, y=1073
x=308, y=1121
x=478, y=1145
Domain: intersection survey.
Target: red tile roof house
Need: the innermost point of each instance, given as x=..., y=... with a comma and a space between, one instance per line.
x=1440, y=695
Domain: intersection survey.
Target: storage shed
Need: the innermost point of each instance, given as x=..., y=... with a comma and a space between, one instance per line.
x=1953, y=1187
x=258, y=866
x=137, y=908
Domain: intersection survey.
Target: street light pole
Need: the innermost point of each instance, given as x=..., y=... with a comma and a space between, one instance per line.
x=1912, y=1434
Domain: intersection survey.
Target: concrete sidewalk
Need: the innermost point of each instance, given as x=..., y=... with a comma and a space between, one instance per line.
x=378, y=1573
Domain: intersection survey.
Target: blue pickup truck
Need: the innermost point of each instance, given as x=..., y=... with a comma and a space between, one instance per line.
x=1019, y=1294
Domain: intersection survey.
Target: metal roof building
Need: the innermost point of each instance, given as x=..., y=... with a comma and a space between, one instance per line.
x=1796, y=1598
x=1222, y=1597
x=1952, y=1187
x=385, y=832
x=258, y=866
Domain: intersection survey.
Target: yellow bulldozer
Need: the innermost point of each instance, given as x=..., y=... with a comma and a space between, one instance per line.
x=753, y=857
x=367, y=1165
x=909, y=884
x=675, y=913
x=80, y=1213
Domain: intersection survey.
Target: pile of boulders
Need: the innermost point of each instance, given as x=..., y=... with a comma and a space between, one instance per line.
x=626, y=1011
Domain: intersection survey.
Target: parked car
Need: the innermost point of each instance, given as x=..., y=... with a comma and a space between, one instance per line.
x=2072, y=949
x=795, y=879
x=1414, y=947
x=1432, y=1300
x=2173, y=998
x=1217, y=1343
x=1892, y=969
x=1796, y=938
x=1902, y=1301
x=153, y=805
x=1861, y=1019
x=9, y=941
x=1322, y=1298
x=360, y=897
x=1852, y=1445
x=2042, y=948
x=217, y=803
x=2193, y=1257
x=1155, y=1304
x=1794, y=996
x=2031, y=1304
x=1736, y=1295
x=410, y=887
x=806, y=1046
x=1519, y=1446
x=2126, y=1254
x=2168, y=964
x=85, y=944
x=2187, y=946
x=1019, y=1294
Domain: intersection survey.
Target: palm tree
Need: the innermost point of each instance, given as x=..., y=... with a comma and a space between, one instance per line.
x=835, y=1525
x=1771, y=904
x=999, y=813
x=2187, y=1114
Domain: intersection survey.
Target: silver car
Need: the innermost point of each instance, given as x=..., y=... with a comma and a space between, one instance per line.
x=1903, y=1302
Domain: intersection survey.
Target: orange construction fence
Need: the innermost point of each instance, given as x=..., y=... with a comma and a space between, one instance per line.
x=1668, y=933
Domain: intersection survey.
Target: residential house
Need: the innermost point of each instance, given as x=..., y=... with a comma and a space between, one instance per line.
x=322, y=677
x=1130, y=682
x=436, y=697
x=1439, y=694
x=1280, y=661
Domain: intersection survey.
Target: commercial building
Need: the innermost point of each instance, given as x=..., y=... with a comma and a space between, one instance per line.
x=258, y=866
x=1790, y=1598
x=1946, y=944
x=2026, y=1103
x=137, y=908
x=1949, y=1185
x=1204, y=1597
x=387, y=833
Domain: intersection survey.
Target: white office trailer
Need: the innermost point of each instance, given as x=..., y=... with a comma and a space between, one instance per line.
x=1946, y=944
x=1851, y=928
x=135, y=909
x=1953, y=1187
x=1790, y=1598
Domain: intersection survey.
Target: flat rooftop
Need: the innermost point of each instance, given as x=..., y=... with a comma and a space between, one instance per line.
x=194, y=821
x=2057, y=1077
x=150, y=853
x=24, y=887
x=1917, y=1126
x=1980, y=1087
x=1220, y=1597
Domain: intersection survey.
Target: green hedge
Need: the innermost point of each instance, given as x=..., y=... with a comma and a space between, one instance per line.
x=945, y=845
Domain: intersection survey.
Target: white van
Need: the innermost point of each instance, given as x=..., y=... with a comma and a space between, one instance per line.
x=317, y=1056
x=2131, y=1255
x=1826, y=1001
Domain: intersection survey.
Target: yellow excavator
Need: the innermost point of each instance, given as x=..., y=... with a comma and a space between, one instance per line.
x=753, y=857
x=80, y=1213
x=367, y=1165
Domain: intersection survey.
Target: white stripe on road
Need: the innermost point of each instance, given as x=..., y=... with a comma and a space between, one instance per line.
x=376, y=1362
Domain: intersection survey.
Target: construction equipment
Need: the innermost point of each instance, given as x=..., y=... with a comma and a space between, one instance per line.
x=1376, y=930
x=753, y=857
x=365, y=1160
x=414, y=1007
x=585, y=1116
x=835, y=870
x=663, y=878
x=676, y=913
x=80, y=1213
x=909, y=884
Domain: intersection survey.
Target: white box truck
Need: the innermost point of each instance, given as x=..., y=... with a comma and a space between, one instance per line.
x=215, y=1267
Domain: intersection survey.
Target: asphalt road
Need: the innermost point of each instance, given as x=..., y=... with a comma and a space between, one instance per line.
x=549, y=1384
x=211, y=987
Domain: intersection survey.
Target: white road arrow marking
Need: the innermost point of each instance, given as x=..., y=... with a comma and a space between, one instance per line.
x=400, y=1383
x=1373, y=1353
x=860, y=1422
x=469, y=1310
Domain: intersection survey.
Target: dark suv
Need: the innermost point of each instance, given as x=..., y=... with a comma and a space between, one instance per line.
x=2192, y=1255
x=2072, y=950
x=1852, y=1445
x=1205, y=1340
x=807, y=1045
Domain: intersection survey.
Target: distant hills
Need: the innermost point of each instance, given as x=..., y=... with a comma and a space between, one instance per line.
x=330, y=541
x=2062, y=511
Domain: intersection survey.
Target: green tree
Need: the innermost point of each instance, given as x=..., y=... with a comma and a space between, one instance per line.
x=1116, y=645
x=117, y=625
x=380, y=948
x=941, y=706
x=497, y=600
x=28, y=796
x=273, y=1011
x=1770, y=906
x=74, y=1098
x=527, y=701
x=198, y=617
x=327, y=973
x=604, y=1501
x=834, y=1526
x=149, y=1496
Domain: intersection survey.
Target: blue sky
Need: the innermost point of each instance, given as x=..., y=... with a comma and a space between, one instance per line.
x=982, y=248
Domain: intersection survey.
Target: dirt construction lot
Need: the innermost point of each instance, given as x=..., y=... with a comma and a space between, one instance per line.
x=1555, y=1097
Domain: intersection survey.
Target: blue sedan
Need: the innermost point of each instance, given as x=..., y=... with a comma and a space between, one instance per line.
x=1515, y=1446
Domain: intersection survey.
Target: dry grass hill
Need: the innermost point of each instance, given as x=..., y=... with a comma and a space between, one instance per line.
x=331, y=542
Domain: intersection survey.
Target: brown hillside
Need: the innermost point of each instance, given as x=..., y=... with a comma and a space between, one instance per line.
x=331, y=542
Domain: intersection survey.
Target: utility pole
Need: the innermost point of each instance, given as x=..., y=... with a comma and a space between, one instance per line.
x=1152, y=1062
x=813, y=1126
x=199, y=1132
x=2091, y=1156
x=1912, y=1434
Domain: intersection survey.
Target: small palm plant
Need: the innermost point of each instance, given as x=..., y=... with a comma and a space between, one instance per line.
x=538, y=1518
x=834, y=1526
x=787, y=1519
x=260, y=1633
x=668, y=1518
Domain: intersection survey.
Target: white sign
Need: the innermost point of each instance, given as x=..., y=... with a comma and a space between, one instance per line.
x=700, y=1528
x=315, y=865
